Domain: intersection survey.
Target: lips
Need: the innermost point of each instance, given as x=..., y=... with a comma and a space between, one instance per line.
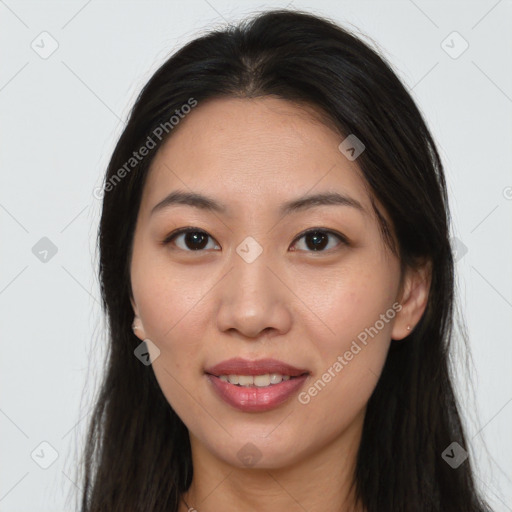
x=239, y=366
x=254, y=398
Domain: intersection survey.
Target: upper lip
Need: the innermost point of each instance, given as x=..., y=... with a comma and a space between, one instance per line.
x=240, y=366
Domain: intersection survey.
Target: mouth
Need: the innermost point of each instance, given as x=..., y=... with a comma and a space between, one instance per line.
x=255, y=386
x=259, y=381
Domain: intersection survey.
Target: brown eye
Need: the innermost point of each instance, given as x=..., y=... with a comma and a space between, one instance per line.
x=317, y=240
x=191, y=239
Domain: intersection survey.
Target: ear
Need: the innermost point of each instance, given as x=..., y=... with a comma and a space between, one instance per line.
x=137, y=326
x=413, y=298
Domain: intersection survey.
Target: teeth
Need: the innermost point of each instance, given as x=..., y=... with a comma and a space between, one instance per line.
x=260, y=381
x=245, y=380
x=275, y=378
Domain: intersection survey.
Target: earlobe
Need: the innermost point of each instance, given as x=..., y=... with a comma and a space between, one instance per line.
x=137, y=327
x=414, y=299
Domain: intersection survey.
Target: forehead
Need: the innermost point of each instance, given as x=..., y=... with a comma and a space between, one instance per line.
x=252, y=152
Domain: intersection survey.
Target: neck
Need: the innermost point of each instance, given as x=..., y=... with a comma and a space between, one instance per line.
x=321, y=480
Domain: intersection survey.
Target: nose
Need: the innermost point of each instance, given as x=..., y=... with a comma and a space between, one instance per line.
x=254, y=301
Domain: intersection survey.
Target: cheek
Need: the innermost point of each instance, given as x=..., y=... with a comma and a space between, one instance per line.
x=173, y=312
x=356, y=307
x=172, y=301
x=172, y=306
x=349, y=303
x=176, y=325
x=177, y=309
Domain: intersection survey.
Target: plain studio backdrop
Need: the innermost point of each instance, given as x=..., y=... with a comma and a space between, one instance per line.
x=70, y=73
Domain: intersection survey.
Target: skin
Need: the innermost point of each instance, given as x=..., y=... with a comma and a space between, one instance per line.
x=292, y=303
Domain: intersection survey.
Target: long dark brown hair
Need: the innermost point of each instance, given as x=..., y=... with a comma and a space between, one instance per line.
x=137, y=455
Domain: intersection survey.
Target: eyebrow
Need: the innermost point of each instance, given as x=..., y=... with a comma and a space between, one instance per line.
x=202, y=202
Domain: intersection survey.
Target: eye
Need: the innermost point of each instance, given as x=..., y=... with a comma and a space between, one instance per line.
x=191, y=239
x=316, y=240
x=194, y=239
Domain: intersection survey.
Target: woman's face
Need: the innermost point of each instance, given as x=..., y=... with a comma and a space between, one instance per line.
x=247, y=283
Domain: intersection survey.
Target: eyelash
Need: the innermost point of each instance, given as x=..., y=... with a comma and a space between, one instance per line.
x=171, y=236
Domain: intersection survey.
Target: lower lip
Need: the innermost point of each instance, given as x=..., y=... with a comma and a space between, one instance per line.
x=253, y=398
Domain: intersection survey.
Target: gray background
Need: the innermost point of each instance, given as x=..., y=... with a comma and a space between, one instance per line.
x=61, y=115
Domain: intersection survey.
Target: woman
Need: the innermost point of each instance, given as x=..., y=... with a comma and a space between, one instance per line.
x=276, y=270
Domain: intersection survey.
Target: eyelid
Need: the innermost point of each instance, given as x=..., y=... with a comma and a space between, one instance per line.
x=180, y=231
x=337, y=234
x=188, y=229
